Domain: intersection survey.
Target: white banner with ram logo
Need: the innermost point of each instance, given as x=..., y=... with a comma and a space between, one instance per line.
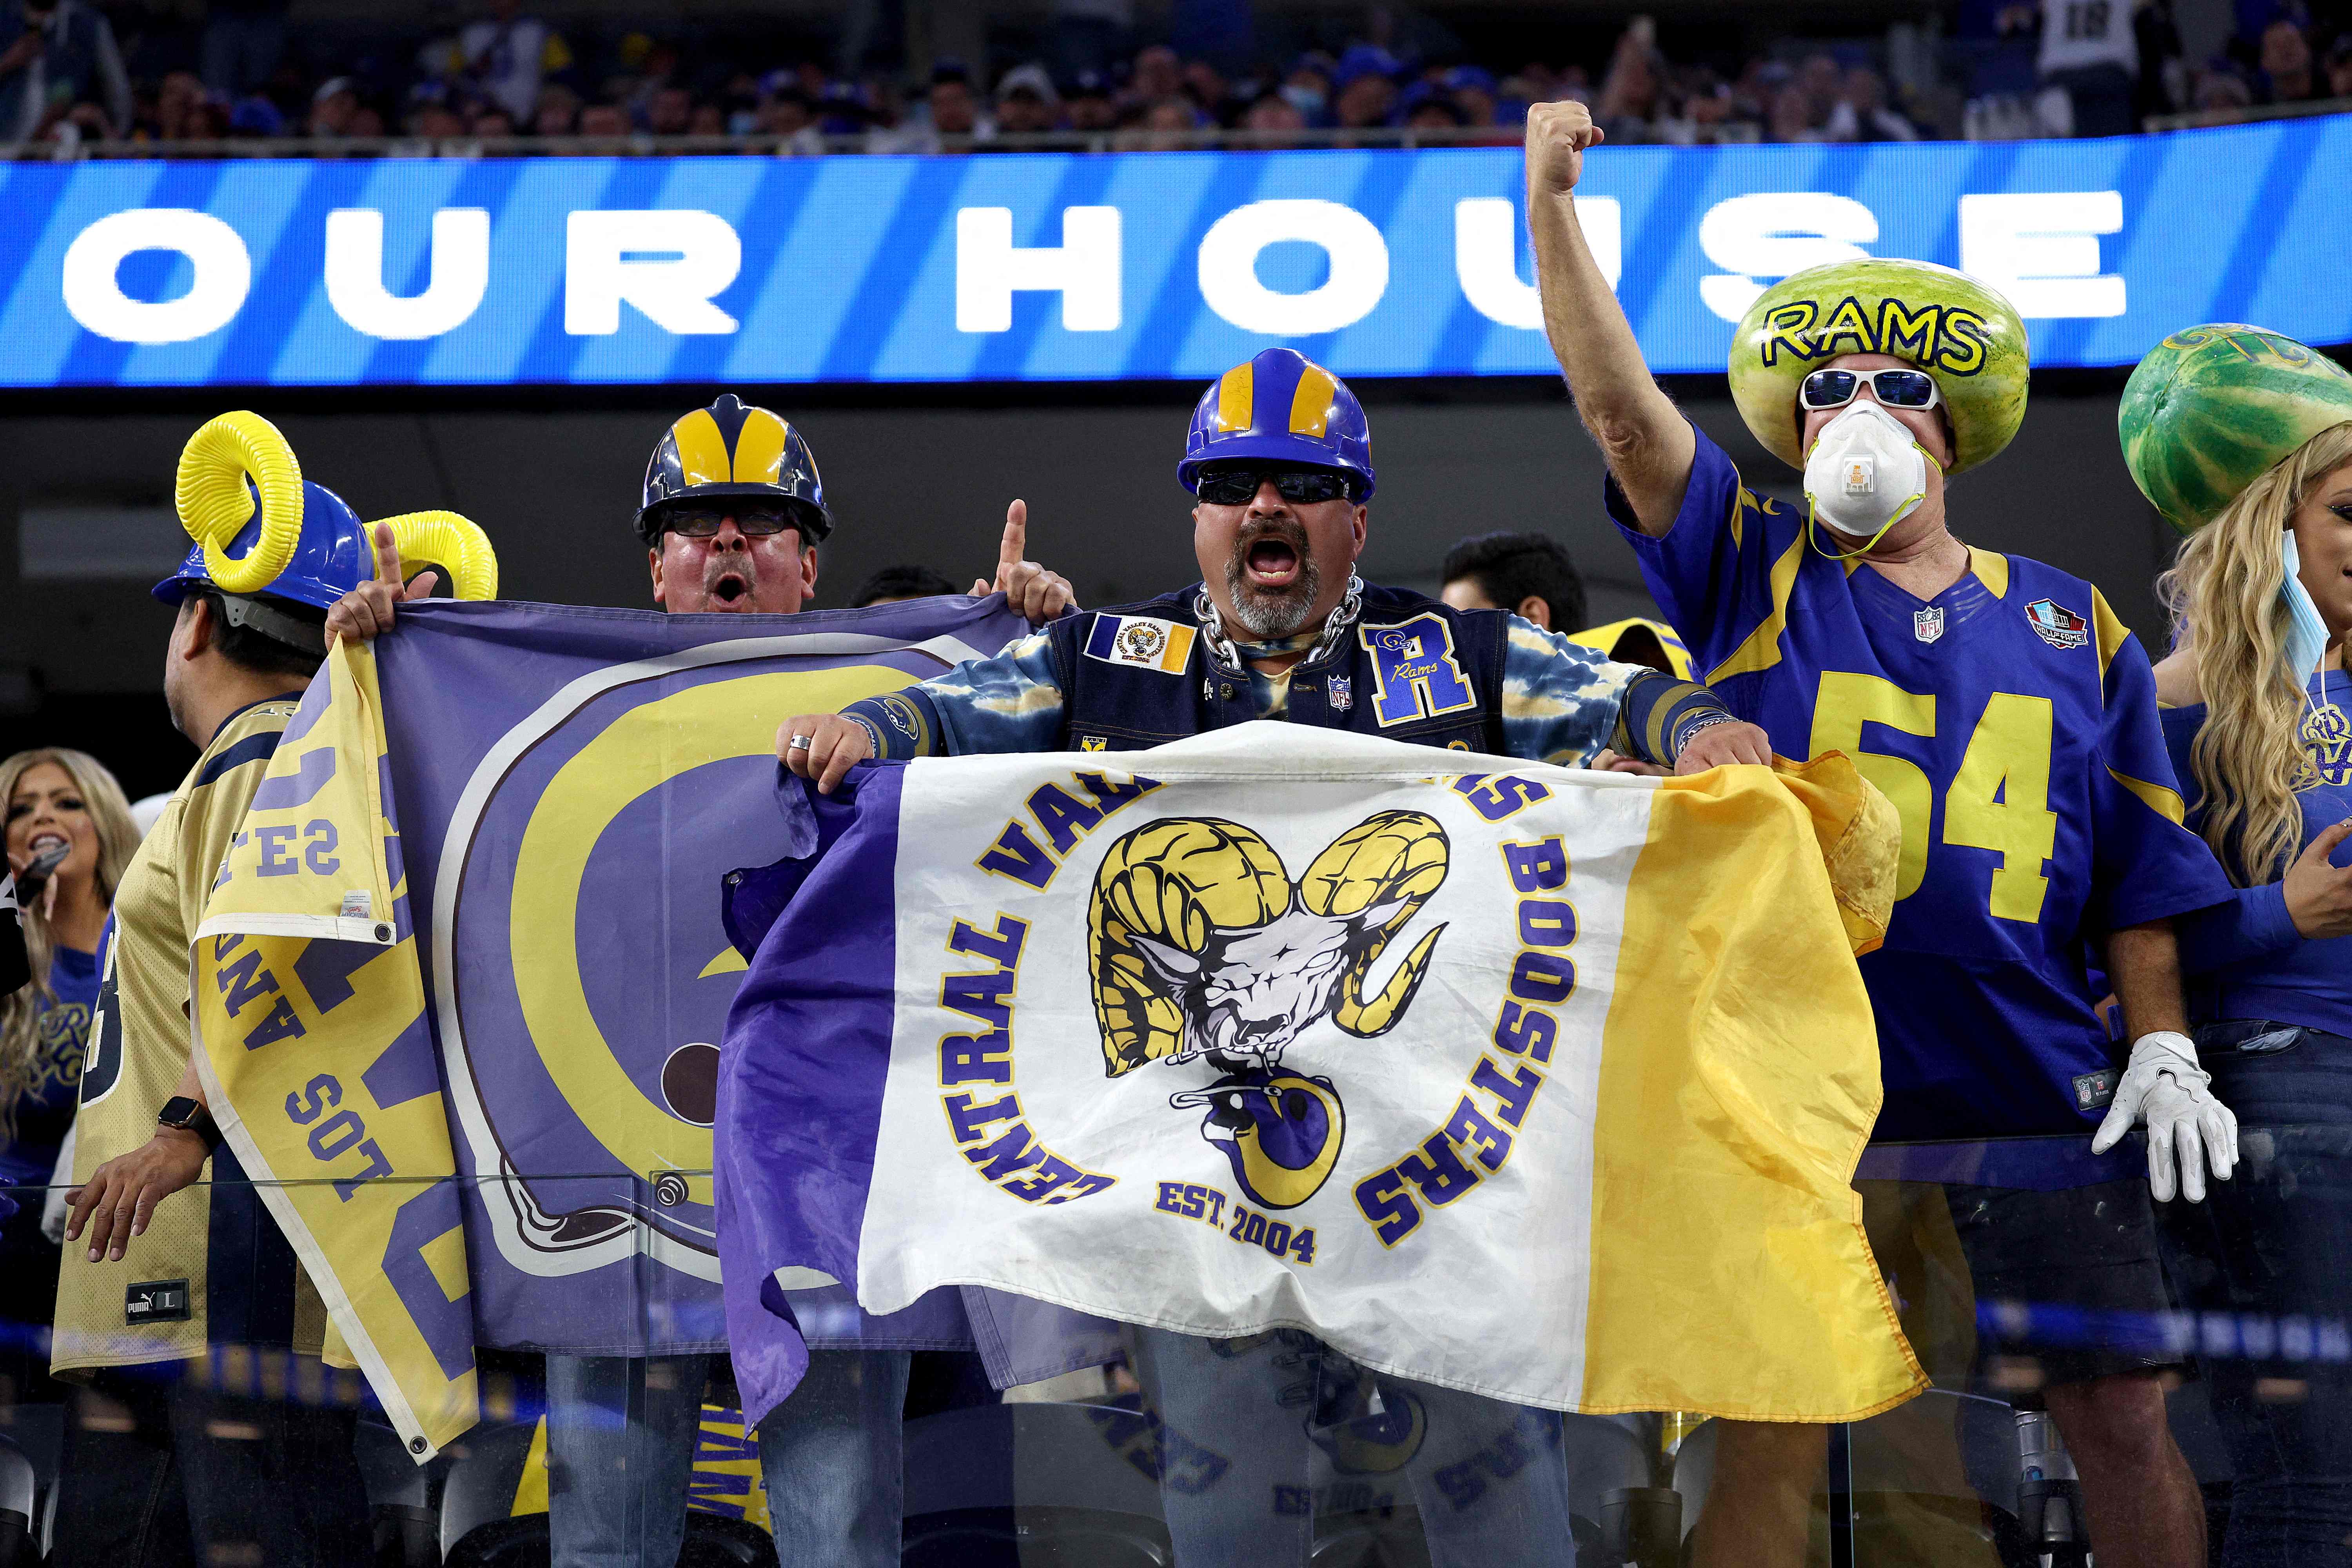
x=1544, y=1085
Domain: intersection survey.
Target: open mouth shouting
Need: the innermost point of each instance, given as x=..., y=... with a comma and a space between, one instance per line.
x=730, y=588
x=1271, y=565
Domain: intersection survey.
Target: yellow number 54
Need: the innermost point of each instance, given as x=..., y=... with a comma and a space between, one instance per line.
x=1999, y=800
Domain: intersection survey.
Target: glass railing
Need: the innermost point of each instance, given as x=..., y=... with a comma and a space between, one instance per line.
x=2216, y=1331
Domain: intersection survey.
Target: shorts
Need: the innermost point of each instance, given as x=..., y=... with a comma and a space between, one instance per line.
x=2007, y=1291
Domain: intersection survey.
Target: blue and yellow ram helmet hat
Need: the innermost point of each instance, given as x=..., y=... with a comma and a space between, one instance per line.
x=1283, y=407
x=262, y=530
x=733, y=448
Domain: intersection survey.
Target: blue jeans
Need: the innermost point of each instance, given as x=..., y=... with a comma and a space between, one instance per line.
x=1242, y=1419
x=621, y=1438
x=2272, y=1246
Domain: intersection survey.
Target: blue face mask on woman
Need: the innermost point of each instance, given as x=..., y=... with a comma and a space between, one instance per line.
x=2306, y=634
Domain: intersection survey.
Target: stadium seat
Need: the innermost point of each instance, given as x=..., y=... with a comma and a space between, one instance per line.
x=39, y=1431
x=477, y=1498
x=19, y=1508
x=1051, y=1484
x=402, y=1497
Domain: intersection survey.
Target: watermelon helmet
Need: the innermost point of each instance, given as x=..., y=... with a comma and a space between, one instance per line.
x=1280, y=406
x=263, y=533
x=1952, y=326
x=2212, y=408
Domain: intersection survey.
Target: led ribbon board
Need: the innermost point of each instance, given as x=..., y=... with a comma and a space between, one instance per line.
x=1125, y=266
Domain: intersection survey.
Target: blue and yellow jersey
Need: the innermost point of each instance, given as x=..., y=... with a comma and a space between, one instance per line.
x=2012, y=721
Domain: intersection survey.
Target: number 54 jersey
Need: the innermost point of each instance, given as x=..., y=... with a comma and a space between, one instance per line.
x=2012, y=721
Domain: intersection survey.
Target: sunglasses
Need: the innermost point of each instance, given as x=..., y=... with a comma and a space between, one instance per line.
x=752, y=520
x=1893, y=388
x=1239, y=487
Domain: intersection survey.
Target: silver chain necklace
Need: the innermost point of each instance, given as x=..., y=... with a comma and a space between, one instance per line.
x=1213, y=624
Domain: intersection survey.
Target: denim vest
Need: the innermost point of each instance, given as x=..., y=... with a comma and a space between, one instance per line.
x=1410, y=669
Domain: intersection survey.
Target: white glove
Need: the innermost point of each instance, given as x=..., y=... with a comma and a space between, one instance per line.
x=2163, y=1090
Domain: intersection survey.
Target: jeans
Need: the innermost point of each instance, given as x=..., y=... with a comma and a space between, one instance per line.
x=621, y=1438
x=833, y=1456
x=1242, y=1418
x=2273, y=1247
x=194, y=1477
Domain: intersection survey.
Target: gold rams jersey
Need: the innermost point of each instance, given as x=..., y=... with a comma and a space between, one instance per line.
x=150, y=1306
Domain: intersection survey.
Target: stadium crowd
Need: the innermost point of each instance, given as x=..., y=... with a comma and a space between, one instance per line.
x=77, y=71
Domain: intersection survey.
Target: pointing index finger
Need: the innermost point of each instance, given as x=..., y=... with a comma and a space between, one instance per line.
x=387, y=557
x=1017, y=537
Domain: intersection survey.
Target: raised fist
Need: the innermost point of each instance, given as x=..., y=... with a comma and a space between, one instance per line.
x=1558, y=134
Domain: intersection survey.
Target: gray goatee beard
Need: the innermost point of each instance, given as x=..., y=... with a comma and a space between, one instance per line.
x=1269, y=616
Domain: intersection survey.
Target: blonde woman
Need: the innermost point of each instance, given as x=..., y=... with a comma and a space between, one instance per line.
x=53, y=803
x=2244, y=439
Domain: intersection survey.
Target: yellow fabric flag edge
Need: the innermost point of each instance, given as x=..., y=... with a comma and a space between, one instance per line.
x=355, y=716
x=1685, y=1116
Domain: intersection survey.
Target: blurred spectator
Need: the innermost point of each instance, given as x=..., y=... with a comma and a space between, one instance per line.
x=492, y=122
x=1629, y=94
x=2287, y=73
x=1171, y=119
x=366, y=123
x=507, y=54
x=1308, y=87
x=179, y=106
x=1026, y=103
x=1820, y=81
x=2339, y=67
x=1425, y=108
x=1206, y=87
x=559, y=111
x=954, y=111
x=603, y=120
x=669, y=112
x=894, y=584
x=2090, y=52
x=434, y=122
x=1791, y=121
x=1472, y=89
x=1273, y=114
x=1530, y=574
x=788, y=114
x=257, y=118
x=1089, y=105
x=707, y=120
x=54, y=55
x=1364, y=84
x=332, y=108
x=1862, y=114
x=1158, y=74
x=242, y=42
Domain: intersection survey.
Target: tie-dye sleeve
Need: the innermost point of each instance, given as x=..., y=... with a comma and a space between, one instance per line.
x=1009, y=703
x=1560, y=699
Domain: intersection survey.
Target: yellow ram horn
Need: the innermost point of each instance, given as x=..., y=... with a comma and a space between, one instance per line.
x=453, y=543
x=213, y=504
x=1178, y=880
x=1392, y=857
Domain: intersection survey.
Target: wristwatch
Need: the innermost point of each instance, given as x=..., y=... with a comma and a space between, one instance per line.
x=185, y=1114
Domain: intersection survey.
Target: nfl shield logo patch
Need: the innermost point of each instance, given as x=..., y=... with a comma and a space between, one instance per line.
x=2056, y=624
x=1342, y=690
x=1928, y=624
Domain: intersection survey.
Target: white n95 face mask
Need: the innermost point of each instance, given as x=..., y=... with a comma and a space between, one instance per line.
x=1865, y=473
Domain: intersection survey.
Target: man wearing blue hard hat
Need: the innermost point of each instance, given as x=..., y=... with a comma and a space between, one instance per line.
x=161, y=1274
x=1279, y=463
x=732, y=512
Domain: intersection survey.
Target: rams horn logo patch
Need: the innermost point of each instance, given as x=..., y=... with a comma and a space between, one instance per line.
x=1201, y=945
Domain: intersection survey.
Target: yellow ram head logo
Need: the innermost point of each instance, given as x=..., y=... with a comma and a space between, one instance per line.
x=1201, y=943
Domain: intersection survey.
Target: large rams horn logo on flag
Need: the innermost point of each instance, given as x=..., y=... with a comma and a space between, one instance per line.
x=1201, y=946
